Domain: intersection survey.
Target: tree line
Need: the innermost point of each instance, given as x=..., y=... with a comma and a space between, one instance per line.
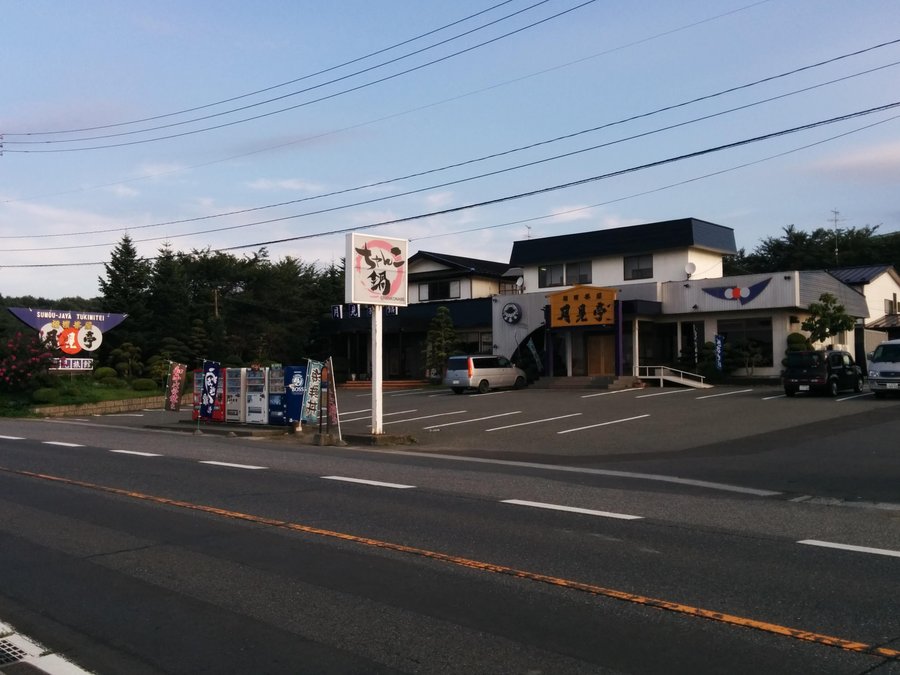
x=187, y=307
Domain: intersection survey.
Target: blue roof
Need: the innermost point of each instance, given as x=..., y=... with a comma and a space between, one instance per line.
x=637, y=239
x=862, y=274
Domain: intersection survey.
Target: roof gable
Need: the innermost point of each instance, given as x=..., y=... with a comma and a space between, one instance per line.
x=485, y=268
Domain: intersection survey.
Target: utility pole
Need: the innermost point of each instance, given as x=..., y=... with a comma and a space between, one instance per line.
x=834, y=221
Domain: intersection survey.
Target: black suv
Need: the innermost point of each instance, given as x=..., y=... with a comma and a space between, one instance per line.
x=828, y=371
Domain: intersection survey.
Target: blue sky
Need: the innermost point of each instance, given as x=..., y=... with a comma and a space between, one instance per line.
x=321, y=113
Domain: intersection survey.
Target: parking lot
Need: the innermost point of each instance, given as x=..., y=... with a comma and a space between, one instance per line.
x=585, y=423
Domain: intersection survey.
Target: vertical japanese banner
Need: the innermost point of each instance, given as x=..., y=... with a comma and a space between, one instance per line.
x=209, y=388
x=310, y=412
x=174, y=386
x=720, y=348
x=334, y=420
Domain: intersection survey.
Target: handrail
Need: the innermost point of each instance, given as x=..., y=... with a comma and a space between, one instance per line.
x=667, y=371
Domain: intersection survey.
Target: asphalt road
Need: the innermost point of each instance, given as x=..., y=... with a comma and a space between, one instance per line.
x=753, y=521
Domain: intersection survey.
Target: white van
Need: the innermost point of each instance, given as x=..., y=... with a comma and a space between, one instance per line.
x=884, y=368
x=482, y=372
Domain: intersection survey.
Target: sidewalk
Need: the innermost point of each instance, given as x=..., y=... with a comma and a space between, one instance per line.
x=20, y=655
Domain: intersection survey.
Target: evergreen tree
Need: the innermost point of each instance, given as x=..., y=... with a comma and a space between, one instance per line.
x=168, y=299
x=440, y=342
x=826, y=319
x=124, y=292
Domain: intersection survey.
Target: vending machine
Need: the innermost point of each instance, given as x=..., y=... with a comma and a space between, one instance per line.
x=295, y=388
x=218, y=413
x=235, y=394
x=277, y=398
x=257, y=396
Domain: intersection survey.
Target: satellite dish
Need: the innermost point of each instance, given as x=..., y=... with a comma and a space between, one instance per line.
x=689, y=269
x=520, y=282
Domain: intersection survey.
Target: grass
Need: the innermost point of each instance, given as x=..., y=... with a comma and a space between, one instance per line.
x=71, y=392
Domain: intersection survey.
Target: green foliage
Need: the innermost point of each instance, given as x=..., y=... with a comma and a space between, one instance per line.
x=127, y=360
x=24, y=359
x=104, y=372
x=45, y=395
x=113, y=383
x=826, y=319
x=798, y=342
x=144, y=384
x=440, y=341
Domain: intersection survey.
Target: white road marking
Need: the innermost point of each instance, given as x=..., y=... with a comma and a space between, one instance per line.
x=849, y=398
x=769, y=398
x=663, y=393
x=120, y=415
x=606, y=393
x=572, y=509
x=522, y=424
x=477, y=419
x=425, y=417
x=135, y=452
x=63, y=444
x=368, y=417
x=369, y=482
x=727, y=393
x=355, y=412
x=407, y=392
x=492, y=393
x=12, y=438
x=234, y=466
x=602, y=424
x=849, y=547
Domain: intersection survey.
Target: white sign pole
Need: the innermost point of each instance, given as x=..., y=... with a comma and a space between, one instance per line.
x=377, y=427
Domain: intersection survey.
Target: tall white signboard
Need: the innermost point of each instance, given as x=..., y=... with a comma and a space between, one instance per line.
x=376, y=274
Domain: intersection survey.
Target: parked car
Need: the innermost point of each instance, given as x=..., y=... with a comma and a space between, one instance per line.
x=827, y=371
x=482, y=372
x=884, y=368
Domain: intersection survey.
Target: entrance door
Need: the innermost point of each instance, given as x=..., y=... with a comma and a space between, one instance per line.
x=601, y=354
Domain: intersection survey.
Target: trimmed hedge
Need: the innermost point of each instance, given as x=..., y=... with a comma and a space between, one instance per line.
x=104, y=372
x=144, y=384
x=45, y=395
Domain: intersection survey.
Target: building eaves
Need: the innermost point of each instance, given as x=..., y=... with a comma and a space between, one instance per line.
x=486, y=268
x=633, y=240
x=862, y=274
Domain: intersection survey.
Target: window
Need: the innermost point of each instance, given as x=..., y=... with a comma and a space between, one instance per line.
x=578, y=272
x=439, y=290
x=751, y=336
x=638, y=267
x=550, y=275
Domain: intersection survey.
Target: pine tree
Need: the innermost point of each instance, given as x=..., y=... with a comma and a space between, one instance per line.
x=440, y=341
x=124, y=292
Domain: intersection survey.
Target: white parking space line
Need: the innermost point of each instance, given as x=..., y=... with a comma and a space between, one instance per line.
x=363, y=481
x=602, y=424
x=477, y=419
x=663, y=393
x=355, y=412
x=727, y=393
x=368, y=417
x=425, y=417
x=234, y=466
x=849, y=547
x=12, y=438
x=135, y=452
x=850, y=398
x=571, y=509
x=522, y=424
x=63, y=444
x=408, y=392
x=492, y=393
x=771, y=398
x=606, y=393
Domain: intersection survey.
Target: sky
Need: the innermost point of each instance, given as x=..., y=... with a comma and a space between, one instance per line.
x=461, y=126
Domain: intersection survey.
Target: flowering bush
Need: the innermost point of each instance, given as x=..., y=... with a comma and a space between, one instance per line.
x=22, y=360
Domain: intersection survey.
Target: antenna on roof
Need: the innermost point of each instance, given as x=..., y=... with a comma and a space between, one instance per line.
x=528, y=227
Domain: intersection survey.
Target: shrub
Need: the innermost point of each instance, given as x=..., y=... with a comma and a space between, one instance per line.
x=144, y=384
x=23, y=359
x=113, y=383
x=105, y=371
x=798, y=342
x=45, y=395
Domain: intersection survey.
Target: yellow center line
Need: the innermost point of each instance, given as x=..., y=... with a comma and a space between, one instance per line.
x=730, y=619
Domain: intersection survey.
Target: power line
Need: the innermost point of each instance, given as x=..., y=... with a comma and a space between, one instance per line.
x=562, y=186
x=275, y=86
x=484, y=158
x=281, y=110
x=560, y=66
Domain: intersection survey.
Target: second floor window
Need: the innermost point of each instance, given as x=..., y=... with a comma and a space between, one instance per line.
x=550, y=275
x=439, y=290
x=638, y=267
x=578, y=272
